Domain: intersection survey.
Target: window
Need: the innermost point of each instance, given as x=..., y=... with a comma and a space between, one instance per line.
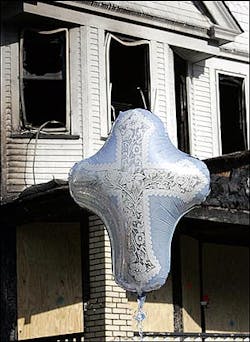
x=43, y=81
x=232, y=114
x=128, y=74
x=180, y=70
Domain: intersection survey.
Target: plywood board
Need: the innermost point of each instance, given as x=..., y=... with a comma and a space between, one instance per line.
x=226, y=282
x=49, y=280
x=190, y=284
x=158, y=308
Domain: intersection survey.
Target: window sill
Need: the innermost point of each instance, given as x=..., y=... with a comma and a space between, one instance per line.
x=30, y=135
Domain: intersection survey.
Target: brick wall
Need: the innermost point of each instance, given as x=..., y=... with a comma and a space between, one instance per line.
x=107, y=315
x=94, y=316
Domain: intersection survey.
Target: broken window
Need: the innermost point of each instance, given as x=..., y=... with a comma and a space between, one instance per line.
x=128, y=74
x=180, y=70
x=232, y=114
x=43, y=71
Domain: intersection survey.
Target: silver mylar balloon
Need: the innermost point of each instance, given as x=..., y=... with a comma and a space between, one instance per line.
x=140, y=185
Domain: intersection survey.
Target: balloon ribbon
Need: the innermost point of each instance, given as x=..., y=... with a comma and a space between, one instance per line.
x=140, y=314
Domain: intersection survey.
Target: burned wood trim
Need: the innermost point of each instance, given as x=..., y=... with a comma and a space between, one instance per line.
x=230, y=190
x=47, y=202
x=216, y=214
x=228, y=161
x=228, y=201
x=217, y=232
x=30, y=135
x=57, y=205
x=219, y=336
x=35, y=190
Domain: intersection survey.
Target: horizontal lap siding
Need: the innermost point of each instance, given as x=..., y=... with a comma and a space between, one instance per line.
x=52, y=158
x=162, y=82
x=96, y=90
x=94, y=43
x=240, y=10
x=201, y=116
x=77, y=85
x=6, y=107
x=183, y=11
x=7, y=75
x=160, y=69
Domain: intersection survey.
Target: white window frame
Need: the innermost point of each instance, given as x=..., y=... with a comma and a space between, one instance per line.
x=219, y=72
x=67, y=128
x=108, y=39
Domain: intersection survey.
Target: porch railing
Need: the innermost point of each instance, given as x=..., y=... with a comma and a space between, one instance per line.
x=77, y=337
x=193, y=337
x=158, y=337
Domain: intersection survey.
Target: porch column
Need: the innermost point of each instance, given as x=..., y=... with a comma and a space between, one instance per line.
x=118, y=315
x=94, y=314
x=8, y=284
x=107, y=316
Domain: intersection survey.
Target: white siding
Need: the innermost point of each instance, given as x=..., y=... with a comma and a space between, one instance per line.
x=5, y=105
x=162, y=82
x=183, y=11
x=54, y=157
x=160, y=79
x=200, y=113
x=95, y=52
x=77, y=70
x=233, y=68
x=51, y=158
x=9, y=70
x=240, y=10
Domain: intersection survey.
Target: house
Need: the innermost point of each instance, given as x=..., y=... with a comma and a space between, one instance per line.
x=67, y=69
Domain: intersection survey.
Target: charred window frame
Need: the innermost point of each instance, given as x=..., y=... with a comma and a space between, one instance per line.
x=180, y=72
x=232, y=105
x=128, y=74
x=44, y=80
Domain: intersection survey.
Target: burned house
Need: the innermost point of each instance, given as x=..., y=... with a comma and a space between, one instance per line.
x=67, y=69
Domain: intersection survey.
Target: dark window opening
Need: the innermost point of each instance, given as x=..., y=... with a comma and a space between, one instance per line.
x=232, y=114
x=180, y=70
x=43, y=73
x=129, y=76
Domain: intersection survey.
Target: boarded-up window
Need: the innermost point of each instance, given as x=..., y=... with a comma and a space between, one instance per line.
x=226, y=283
x=49, y=280
x=43, y=71
x=232, y=114
x=128, y=76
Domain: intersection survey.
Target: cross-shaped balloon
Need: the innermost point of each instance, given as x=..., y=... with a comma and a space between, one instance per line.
x=140, y=185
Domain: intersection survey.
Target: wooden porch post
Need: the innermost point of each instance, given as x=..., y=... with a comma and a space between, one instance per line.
x=8, y=284
x=177, y=284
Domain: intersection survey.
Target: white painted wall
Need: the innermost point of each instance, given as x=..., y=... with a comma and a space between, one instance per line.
x=240, y=10
x=54, y=158
x=49, y=158
x=204, y=102
x=181, y=11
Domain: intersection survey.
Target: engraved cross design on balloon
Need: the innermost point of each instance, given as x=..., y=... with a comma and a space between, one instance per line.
x=132, y=179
